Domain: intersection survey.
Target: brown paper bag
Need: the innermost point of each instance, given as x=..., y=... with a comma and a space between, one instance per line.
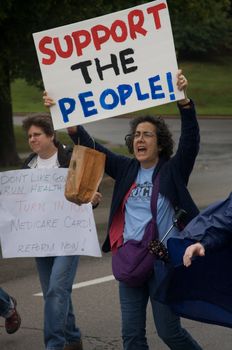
x=85, y=173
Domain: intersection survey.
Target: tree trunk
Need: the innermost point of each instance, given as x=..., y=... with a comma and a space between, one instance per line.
x=8, y=153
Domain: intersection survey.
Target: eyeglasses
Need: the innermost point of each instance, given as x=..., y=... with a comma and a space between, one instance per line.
x=145, y=135
x=35, y=135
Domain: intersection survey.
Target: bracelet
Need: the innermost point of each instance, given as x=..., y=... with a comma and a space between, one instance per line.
x=186, y=104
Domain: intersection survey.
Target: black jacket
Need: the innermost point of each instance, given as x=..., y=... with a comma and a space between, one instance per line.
x=64, y=154
x=174, y=174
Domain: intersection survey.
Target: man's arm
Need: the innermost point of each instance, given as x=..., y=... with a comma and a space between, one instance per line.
x=211, y=229
x=196, y=249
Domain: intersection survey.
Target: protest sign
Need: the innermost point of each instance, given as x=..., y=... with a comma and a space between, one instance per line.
x=37, y=220
x=109, y=65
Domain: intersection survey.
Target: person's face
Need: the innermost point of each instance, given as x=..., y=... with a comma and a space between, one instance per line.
x=145, y=145
x=39, y=142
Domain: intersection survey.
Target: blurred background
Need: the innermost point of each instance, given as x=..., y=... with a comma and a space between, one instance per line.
x=202, y=33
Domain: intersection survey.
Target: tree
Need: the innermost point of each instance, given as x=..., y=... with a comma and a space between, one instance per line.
x=201, y=28
x=18, y=20
x=198, y=27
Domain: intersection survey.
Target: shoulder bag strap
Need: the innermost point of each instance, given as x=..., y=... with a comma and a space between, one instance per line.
x=154, y=196
x=151, y=230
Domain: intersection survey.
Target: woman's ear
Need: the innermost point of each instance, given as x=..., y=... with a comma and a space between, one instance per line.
x=129, y=143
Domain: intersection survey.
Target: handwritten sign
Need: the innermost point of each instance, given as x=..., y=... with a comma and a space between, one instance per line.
x=109, y=65
x=37, y=220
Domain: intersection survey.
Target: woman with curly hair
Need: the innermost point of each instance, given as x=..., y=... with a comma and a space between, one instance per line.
x=151, y=143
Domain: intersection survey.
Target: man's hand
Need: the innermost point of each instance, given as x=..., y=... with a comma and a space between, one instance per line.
x=196, y=249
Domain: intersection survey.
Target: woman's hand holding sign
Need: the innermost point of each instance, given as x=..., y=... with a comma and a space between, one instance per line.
x=49, y=102
x=182, y=84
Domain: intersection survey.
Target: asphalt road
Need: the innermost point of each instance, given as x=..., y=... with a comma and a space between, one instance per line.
x=211, y=177
x=96, y=303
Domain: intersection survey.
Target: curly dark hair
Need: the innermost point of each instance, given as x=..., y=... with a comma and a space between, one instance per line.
x=164, y=136
x=41, y=120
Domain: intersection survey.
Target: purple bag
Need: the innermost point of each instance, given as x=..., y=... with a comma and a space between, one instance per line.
x=133, y=263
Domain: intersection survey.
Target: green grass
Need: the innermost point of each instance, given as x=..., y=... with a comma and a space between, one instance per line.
x=26, y=98
x=209, y=85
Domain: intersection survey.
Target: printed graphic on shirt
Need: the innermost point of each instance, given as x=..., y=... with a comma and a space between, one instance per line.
x=142, y=192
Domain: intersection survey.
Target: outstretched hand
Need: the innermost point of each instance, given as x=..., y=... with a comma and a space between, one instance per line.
x=196, y=249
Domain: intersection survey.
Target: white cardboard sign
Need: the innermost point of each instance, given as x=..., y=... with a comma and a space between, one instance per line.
x=36, y=219
x=109, y=65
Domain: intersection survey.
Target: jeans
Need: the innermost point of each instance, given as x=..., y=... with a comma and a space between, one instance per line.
x=5, y=303
x=56, y=277
x=133, y=307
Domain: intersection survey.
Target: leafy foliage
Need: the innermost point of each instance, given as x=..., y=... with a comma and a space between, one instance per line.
x=201, y=28
x=18, y=21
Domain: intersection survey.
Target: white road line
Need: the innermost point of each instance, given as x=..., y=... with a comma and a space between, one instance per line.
x=86, y=283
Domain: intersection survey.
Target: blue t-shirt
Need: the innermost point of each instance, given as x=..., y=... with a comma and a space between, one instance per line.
x=138, y=209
